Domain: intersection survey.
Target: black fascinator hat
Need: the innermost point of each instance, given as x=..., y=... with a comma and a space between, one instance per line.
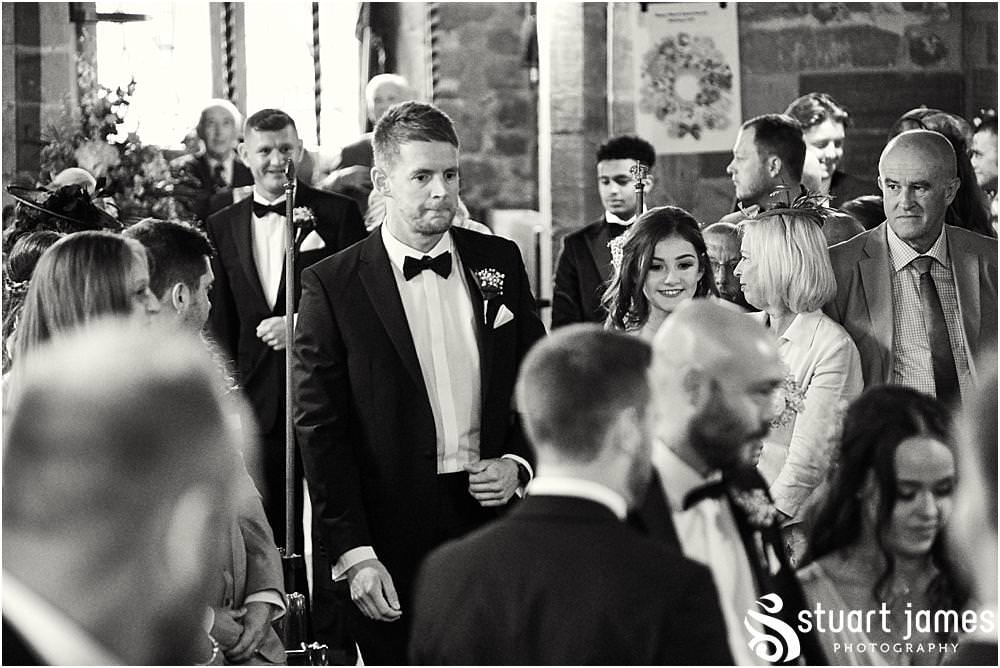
x=67, y=209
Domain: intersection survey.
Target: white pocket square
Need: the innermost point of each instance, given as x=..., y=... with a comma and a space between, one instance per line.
x=313, y=241
x=503, y=316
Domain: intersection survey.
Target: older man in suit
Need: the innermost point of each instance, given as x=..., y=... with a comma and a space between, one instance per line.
x=918, y=296
x=407, y=349
x=562, y=579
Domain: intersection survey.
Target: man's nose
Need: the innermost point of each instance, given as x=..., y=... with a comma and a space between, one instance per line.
x=729, y=168
x=907, y=198
x=438, y=187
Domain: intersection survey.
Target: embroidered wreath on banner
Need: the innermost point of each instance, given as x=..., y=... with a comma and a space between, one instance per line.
x=687, y=84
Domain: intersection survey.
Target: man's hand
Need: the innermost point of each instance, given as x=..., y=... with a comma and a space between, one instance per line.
x=492, y=481
x=227, y=627
x=373, y=592
x=255, y=623
x=272, y=332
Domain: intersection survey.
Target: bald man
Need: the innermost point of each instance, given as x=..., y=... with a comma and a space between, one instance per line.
x=919, y=297
x=713, y=375
x=722, y=241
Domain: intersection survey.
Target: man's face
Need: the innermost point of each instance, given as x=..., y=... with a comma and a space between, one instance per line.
x=265, y=153
x=617, y=187
x=384, y=97
x=421, y=189
x=196, y=314
x=740, y=409
x=984, y=159
x=826, y=142
x=916, y=192
x=748, y=169
x=724, y=255
x=219, y=132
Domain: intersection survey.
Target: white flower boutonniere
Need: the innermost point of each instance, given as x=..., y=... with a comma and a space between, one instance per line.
x=490, y=284
x=304, y=216
x=759, y=510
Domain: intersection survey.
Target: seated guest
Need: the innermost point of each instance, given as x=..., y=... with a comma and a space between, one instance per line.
x=970, y=208
x=785, y=272
x=663, y=264
x=972, y=533
x=67, y=209
x=209, y=178
x=252, y=595
x=867, y=210
x=984, y=159
x=824, y=123
x=879, y=537
x=114, y=493
x=17, y=271
x=584, y=268
x=722, y=243
x=562, y=579
x=918, y=297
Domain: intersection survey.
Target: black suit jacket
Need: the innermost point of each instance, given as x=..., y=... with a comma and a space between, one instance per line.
x=198, y=188
x=363, y=418
x=238, y=302
x=560, y=581
x=16, y=650
x=654, y=517
x=582, y=274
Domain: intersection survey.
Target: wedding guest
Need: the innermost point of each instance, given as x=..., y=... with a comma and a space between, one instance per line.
x=879, y=538
x=114, y=494
x=918, y=296
x=972, y=532
x=65, y=210
x=407, y=348
x=984, y=159
x=17, y=270
x=664, y=263
x=785, y=272
x=252, y=595
x=713, y=376
x=768, y=156
x=217, y=170
x=722, y=243
x=521, y=591
x=74, y=176
x=969, y=208
x=824, y=126
x=585, y=268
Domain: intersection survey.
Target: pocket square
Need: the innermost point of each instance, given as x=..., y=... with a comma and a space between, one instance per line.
x=503, y=316
x=313, y=241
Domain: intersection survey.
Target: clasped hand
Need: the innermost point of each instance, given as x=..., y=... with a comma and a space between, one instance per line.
x=492, y=481
x=239, y=632
x=373, y=591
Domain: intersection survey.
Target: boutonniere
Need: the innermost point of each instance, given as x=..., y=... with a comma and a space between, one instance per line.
x=756, y=505
x=304, y=217
x=791, y=401
x=490, y=284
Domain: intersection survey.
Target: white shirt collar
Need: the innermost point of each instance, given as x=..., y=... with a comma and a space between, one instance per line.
x=582, y=489
x=614, y=219
x=257, y=197
x=677, y=476
x=901, y=254
x=51, y=633
x=398, y=251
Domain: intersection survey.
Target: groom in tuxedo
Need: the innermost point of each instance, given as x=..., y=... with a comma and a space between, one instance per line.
x=714, y=375
x=406, y=353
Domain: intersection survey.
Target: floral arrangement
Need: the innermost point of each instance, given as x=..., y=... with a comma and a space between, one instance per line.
x=89, y=135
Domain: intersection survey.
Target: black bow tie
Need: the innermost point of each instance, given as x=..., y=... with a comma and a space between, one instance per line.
x=710, y=490
x=261, y=210
x=440, y=265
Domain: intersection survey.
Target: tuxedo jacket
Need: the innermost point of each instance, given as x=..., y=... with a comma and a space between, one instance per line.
x=863, y=304
x=582, y=275
x=561, y=581
x=238, y=302
x=363, y=418
x=654, y=517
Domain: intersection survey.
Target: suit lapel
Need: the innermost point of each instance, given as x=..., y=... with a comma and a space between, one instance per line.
x=597, y=244
x=244, y=247
x=876, y=281
x=474, y=259
x=965, y=263
x=376, y=277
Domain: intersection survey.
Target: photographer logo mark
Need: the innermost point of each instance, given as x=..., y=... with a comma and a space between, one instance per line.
x=771, y=639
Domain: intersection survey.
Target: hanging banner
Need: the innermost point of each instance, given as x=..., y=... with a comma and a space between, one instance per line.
x=687, y=73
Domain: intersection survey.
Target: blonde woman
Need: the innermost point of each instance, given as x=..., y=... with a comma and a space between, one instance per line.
x=785, y=271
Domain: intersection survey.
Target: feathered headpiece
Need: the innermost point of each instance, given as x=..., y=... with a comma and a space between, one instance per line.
x=807, y=205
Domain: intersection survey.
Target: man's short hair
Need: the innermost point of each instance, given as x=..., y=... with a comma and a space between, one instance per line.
x=218, y=102
x=409, y=122
x=269, y=120
x=722, y=229
x=627, y=147
x=574, y=383
x=814, y=108
x=780, y=135
x=176, y=252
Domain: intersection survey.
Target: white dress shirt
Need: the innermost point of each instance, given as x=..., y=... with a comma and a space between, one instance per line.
x=708, y=534
x=551, y=485
x=268, y=237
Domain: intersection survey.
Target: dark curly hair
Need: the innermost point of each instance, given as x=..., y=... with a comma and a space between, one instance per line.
x=627, y=306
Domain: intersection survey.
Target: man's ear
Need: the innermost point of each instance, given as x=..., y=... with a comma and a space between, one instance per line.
x=299, y=150
x=180, y=297
x=241, y=150
x=696, y=386
x=951, y=189
x=774, y=165
x=380, y=180
x=649, y=182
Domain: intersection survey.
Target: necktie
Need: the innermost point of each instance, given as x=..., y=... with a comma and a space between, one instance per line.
x=942, y=360
x=440, y=265
x=261, y=210
x=710, y=490
x=218, y=175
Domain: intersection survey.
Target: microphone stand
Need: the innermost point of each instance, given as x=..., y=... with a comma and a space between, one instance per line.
x=639, y=172
x=296, y=626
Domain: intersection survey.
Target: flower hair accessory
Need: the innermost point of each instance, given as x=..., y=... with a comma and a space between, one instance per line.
x=490, y=284
x=14, y=288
